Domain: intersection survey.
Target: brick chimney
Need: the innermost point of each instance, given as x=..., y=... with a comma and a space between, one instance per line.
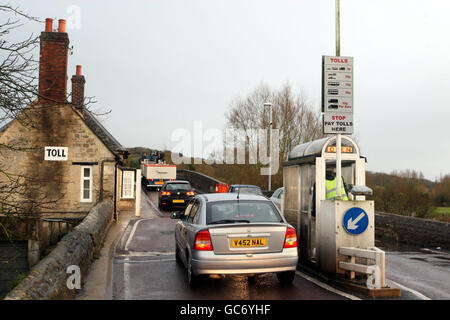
x=78, y=82
x=53, y=63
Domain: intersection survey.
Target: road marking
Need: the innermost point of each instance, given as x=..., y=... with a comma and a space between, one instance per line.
x=128, y=262
x=144, y=254
x=327, y=287
x=132, y=232
x=126, y=279
x=417, y=293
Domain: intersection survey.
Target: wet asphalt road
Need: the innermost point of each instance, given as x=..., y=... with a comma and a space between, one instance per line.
x=145, y=268
x=426, y=271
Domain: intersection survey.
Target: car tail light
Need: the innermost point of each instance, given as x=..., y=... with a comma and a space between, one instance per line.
x=165, y=193
x=190, y=193
x=290, y=241
x=203, y=241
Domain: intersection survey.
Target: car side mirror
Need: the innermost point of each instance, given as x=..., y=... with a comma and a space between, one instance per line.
x=177, y=215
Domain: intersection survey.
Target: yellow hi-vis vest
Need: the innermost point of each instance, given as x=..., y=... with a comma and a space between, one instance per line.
x=331, y=190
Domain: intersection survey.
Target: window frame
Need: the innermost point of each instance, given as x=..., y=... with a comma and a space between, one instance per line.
x=132, y=184
x=193, y=212
x=91, y=184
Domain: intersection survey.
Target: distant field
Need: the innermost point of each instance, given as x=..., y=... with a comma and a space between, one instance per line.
x=440, y=213
x=442, y=210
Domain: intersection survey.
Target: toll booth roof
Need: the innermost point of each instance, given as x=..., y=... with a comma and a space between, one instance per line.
x=317, y=148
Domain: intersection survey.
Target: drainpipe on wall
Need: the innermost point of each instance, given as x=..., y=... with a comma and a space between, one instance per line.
x=115, y=191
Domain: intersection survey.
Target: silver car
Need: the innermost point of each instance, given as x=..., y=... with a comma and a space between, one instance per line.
x=230, y=233
x=276, y=197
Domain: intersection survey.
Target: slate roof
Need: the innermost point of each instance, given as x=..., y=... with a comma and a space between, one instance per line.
x=100, y=131
x=3, y=128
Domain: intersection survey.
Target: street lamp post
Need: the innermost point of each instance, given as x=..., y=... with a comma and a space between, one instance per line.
x=268, y=104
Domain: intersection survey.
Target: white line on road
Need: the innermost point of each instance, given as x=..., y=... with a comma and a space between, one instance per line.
x=130, y=237
x=327, y=287
x=127, y=262
x=416, y=293
x=145, y=254
x=126, y=279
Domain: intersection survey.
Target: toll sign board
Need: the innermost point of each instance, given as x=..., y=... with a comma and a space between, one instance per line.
x=56, y=153
x=338, y=122
x=337, y=84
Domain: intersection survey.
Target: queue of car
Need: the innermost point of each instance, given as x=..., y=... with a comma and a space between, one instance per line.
x=239, y=232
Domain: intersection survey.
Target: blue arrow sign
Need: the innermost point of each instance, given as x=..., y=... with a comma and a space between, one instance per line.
x=355, y=221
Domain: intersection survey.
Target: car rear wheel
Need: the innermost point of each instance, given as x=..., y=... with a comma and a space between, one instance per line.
x=192, y=277
x=177, y=255
x=286, y=277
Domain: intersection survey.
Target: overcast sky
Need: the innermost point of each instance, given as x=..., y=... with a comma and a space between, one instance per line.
x=160, y=65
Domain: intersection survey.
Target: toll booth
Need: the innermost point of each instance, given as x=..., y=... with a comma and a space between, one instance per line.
x=334, y=236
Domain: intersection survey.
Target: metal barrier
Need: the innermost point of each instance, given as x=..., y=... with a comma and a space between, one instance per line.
x=376, y=272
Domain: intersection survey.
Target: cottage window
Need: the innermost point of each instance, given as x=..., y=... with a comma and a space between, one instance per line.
x=86, y=184
x=128, y=185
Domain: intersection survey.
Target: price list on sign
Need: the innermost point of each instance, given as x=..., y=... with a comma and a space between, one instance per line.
x=337, y=94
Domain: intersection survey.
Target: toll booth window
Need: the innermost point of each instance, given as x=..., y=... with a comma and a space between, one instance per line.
x=307, y=181
x=291, y=179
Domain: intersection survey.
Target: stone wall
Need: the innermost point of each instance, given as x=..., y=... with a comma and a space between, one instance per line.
x=412, y=231
x=199, y=181
x=47, y=279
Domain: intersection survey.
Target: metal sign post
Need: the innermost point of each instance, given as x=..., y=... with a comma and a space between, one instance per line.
x=337, y=98
x=269, y=184
x=338, y=136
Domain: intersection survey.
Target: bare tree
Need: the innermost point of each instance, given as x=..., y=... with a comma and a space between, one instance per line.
x=292, y=115
x=18, y=90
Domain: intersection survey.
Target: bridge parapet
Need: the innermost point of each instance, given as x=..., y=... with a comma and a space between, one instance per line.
x=201, y=182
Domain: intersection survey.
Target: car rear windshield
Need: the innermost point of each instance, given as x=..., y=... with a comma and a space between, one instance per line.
x=178, y=186
x=241, y=211
x=248, y=190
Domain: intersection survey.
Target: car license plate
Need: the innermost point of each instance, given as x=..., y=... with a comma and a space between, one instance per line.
x=178, y=201
x=159, y=182
x=248, y=243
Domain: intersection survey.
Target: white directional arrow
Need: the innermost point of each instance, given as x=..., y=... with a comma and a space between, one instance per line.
x=352, y=224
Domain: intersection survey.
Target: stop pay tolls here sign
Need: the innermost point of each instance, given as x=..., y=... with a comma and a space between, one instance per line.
x=338, y=123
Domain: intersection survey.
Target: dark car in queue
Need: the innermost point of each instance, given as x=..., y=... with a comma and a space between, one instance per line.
x=229, y=233
x=245, y=188
x=175, y=193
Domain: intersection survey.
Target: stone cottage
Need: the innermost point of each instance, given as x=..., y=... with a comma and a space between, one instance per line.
x=67, y=160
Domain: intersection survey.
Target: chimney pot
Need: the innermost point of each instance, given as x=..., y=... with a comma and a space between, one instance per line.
x=78, y=82
x=53, y=59
x=48, y=25
x=61, y=25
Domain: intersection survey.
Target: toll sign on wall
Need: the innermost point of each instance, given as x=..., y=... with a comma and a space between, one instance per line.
x=56, y=153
